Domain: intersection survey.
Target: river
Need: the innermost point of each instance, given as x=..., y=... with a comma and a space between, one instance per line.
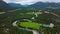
x=34, y=31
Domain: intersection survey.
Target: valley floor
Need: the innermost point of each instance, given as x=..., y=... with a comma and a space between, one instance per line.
x=8, y=18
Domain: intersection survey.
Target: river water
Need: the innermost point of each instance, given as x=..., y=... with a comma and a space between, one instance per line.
x=34, y=31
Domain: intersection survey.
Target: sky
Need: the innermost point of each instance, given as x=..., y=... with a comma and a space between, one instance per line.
x=28, y=2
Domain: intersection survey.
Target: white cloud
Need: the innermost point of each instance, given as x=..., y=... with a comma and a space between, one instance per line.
x=23, y=2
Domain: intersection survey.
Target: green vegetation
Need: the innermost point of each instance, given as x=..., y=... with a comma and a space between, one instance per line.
x=38, y=12
x=4, y=7
x=29, y=13
x=2, y=12
x=7, y=19
x=30, y=25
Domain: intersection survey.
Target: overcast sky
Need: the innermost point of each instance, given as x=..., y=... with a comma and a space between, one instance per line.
x=23, y=2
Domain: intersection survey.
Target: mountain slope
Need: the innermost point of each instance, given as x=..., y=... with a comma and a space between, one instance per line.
x=41, y=5
x=14, y=5
x=56, y=11
x=17, y=5
x=4, y=6
x=38, y=5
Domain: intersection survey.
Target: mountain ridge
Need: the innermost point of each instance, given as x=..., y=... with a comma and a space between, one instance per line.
x=4, y=6
x=38, y=5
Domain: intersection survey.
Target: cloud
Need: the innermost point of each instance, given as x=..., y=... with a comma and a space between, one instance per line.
x=23, y=2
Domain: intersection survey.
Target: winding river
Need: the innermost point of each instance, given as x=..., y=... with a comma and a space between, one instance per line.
x=34, y=31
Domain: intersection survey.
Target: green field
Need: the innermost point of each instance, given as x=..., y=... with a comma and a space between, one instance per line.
x=30, y=25
x=38, y=12
x=2, y=12
x=35, y=12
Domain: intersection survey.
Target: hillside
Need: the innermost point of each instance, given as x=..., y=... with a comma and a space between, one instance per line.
x=41, y=5
x=52, y=10
x=4, y=6
x=38, y=5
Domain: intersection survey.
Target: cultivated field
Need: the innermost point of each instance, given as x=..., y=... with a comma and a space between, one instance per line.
x=30, y=25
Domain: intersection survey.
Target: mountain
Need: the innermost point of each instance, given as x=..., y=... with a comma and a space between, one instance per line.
x=42, y=5
x=46, y=6
x=16, y=5
x=4, y=6
x=38, y=5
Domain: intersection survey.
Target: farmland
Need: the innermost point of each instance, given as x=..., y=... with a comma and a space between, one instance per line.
x=30, y=25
